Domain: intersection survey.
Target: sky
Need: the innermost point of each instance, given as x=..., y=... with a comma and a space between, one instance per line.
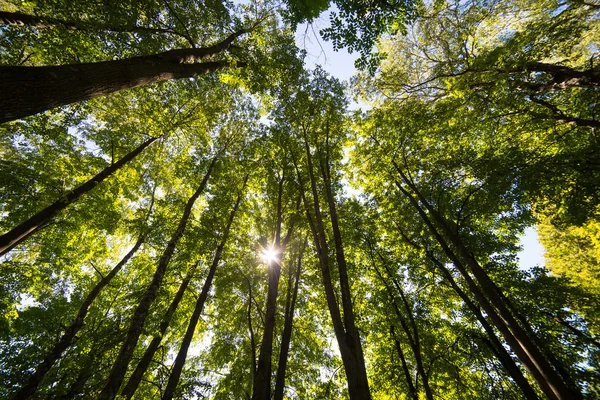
x=340, y=64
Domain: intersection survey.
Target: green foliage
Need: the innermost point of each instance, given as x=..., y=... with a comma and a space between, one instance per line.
x=488, y=108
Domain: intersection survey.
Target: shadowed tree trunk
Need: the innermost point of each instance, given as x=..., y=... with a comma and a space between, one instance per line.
x=407, y=375
x=357, y=378
x=408, y=325
x=31, y=90
x=67, y=338
x=251, y=330
x=288, y=326
x=189, y=334
x=345, y=330
x=119, y=368
x=22, y=231
x=135, y=378
x=496, y=346
x=262, y=380
x=490, y=299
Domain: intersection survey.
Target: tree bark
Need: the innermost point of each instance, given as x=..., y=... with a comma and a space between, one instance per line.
x=288, y=326
x=345, y=330
x=189, y=334
x=358, y=383
x=135, y=378
x=31, y=90
x=117, y=373
x=22, y=231
x=67, y=338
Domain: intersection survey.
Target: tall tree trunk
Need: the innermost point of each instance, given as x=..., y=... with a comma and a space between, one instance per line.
x=67, y=338
x=407, y=375
x=251, y=329
x=31, y=90
x=408, y=325
x=320, y=242
x=416, y=342
x=135, y=378
x=117, y=373
x=262, y=380
x=548, y=379
x=189, y=334
x=345, y=329
x=358, y=382
x=22, y=231
x=286, y=337
x=501, y=353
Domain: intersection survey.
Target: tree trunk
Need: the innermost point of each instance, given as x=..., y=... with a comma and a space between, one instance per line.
x=251, y=329
x=117, y=373
x=345, y=329
x=412, y=332
x=22, y=231
x=67, y=338
x=189, y=334
x=548, y=379
x=358, y=383
x=407, y=374
x=496, y=346
x=261, y=389
x=31, y=90
x=288, y=326
x=135, y=378
x=416, y=341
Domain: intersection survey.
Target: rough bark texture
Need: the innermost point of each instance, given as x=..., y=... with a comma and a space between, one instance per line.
x=135, y=378
x=21, y=232
x=31, y=90
x=189, y=334
x=117, y=373
x=67, y=338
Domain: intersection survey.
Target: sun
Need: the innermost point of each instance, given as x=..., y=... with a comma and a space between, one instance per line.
x=269, y=255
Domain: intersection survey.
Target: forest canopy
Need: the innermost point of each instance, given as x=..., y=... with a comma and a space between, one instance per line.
x=187, y=211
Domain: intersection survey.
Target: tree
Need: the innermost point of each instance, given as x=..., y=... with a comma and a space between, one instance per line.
x=37, y=89
x=400, y=224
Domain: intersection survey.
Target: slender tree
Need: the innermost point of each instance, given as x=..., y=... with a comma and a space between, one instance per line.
x=344, y=328
x=137, y=375
x=117, y=373
x=548, y=378
x=286, y=336
x=67, y=338
x=262, y=379
x=27, y=228
x=189, y=334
